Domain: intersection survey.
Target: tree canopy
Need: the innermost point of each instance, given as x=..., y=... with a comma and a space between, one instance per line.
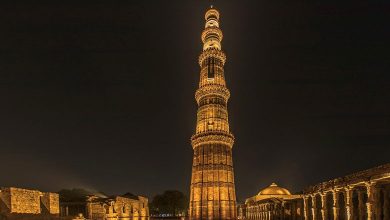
x=171, y=202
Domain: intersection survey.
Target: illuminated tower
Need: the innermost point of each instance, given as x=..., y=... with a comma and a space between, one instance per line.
x=212, y=184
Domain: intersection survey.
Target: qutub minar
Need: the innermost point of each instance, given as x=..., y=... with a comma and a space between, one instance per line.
x=212, y=184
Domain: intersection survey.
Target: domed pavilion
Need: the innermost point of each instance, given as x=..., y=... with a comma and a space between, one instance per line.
x=272, y=202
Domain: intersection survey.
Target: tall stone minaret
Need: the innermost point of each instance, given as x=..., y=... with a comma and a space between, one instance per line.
x=212, y=184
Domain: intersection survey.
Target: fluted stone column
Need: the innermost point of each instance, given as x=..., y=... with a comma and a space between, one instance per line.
x=349, y=202
x=378, y=205
x=335, y=205
x=261, y=212
x=324, y=211
x=306, y=207
x=361, y=204
x=370, y=201
x=314, y=207
x=264, y=214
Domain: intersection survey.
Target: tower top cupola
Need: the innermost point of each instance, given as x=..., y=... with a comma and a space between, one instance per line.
x=212, y=35
x=212, y=18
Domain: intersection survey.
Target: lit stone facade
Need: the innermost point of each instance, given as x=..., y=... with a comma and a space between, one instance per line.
x=273, y=202
x=212, y=184
x=17, y=202
x=118, y=207
x=362, y=195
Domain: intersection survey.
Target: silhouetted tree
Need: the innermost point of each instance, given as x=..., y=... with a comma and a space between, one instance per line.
x=171, y=202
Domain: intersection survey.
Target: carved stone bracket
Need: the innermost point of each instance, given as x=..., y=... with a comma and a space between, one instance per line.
x=212, y=138
x=212, y=90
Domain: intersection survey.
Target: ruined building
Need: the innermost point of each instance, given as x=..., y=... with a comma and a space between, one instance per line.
x=272, y=202
x=364, y=195
x=212, y=184
x=16, y=203
x=126, y=207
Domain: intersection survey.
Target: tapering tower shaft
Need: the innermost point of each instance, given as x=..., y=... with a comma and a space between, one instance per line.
x=212, y=184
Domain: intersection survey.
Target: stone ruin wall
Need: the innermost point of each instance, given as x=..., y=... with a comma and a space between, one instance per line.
x=145, y=202
x=5, y=201
x=139, y=207
x=51, y=203
x=97, y=211
x=122, y=207
x=25, y=201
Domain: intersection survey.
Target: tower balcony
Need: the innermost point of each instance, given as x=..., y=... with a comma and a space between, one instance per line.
x=212, y=90
x=212, y=137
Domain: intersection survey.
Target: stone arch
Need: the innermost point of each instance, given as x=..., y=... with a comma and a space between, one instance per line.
x=309, y=208
x=381, y=201
x=342, y=208
x=355, y=204
x=318, y=207
x=329, y=205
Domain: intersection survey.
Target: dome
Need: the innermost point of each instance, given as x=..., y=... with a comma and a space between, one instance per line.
x=274, y=189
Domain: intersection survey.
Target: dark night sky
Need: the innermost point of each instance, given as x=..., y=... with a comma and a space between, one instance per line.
x=101, y=95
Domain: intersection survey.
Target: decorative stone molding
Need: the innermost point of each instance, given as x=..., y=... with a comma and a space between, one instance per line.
x=211, y=12
x=212, y=138
x=217, y=90
x=211, y=30
x=355, y=179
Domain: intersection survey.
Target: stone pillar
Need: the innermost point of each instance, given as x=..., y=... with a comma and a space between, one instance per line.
x=306, y=208
x=293, y=210
x=314, y=206
x=370, y=201
x=324, y=210
x=261, y=212
x=361, y=204
x=335, y=205
x=349, y=202
x=386, y=204
x=378, y=205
